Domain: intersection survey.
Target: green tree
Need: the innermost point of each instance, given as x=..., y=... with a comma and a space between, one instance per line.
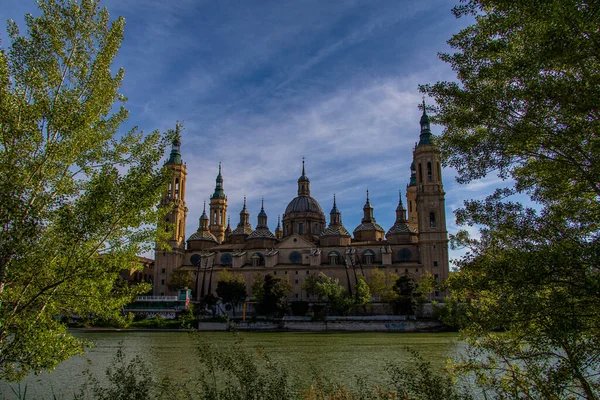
x=180, y=279
x=271, y=295
x=231, y=288
x=378, y=283
x=362, y=294
x=330, y=290
x=526, y=108
x=426, y=285
x=404, y=301
x=78, y=201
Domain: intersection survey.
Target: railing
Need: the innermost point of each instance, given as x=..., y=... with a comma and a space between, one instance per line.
x=156, y=298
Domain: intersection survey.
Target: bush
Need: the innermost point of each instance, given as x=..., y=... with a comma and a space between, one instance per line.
x=299, y=308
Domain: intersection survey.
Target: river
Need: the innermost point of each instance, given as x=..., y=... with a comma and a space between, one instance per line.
x=339, y=356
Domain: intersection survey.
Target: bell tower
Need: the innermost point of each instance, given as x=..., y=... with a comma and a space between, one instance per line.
x=430, y=203
x=411, y=199
x=218, y=209
x=174, y=198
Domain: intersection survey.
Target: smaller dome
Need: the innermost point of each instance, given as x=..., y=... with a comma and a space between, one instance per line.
x=261, y=233
x=369, y=226
x=400, y=227
x=338, y=230
x=242, y=230
x=203, y=235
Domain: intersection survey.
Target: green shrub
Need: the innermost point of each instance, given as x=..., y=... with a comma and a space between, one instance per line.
x=299, y=308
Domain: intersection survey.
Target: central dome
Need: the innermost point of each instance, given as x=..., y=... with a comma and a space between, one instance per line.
x=302, y=204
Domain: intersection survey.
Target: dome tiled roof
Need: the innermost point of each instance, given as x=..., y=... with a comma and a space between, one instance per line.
x=263, y=233
x=335, y=230
x=203, y=235
x=369, y=227
x=400, y=227
x=303, y=204
x=242, y=230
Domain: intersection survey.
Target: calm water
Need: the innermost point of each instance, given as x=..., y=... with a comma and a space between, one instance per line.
x=343, y=356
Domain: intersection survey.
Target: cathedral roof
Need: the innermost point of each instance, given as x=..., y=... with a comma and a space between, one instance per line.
x=369, y=226
x=400, y=227
x=262, y=232
x=203, y=235
x=242, y=230
x=335, y=230
x=304, y=204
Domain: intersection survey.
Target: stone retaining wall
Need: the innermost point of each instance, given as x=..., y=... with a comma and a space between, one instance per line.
x=330, y=324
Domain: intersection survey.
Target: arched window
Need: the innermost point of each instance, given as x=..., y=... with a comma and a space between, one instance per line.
x=316, y=229
x=420, y=174
x=295, y=257
x=226, y=259
x=176, y=188
x=368, y=256
x=404, y=254
x=334, y=257
x=300, y=228
x=170, y=189
x=429, y=172
x=432, y=219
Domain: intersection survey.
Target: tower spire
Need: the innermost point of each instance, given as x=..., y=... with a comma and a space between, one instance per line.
x=175, y=156
x=400, y=205
x=335, y=217
x=425, y=137
x=303, y=183
x=368, y=211
x=262, y=215
x=219, y=192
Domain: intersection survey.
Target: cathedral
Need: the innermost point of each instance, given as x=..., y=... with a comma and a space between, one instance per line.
x=303, y=243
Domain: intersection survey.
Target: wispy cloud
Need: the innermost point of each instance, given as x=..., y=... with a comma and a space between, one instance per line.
x=262, y=84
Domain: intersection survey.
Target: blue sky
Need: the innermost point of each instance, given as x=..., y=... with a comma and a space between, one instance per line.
x=261, y=84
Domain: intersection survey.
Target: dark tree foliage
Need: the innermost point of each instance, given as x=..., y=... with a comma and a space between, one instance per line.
x=525, y=108
x=180, y=279
x=271, y=300
x=231, y=292
x=405, y=302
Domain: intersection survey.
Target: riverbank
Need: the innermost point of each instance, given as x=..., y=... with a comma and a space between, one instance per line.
x=379, y=323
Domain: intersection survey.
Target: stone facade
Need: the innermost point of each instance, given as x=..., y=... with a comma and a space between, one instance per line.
x=305, y=245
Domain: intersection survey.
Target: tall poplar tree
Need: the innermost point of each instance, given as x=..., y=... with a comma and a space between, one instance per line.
x=77, y=199
x=526, y=108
